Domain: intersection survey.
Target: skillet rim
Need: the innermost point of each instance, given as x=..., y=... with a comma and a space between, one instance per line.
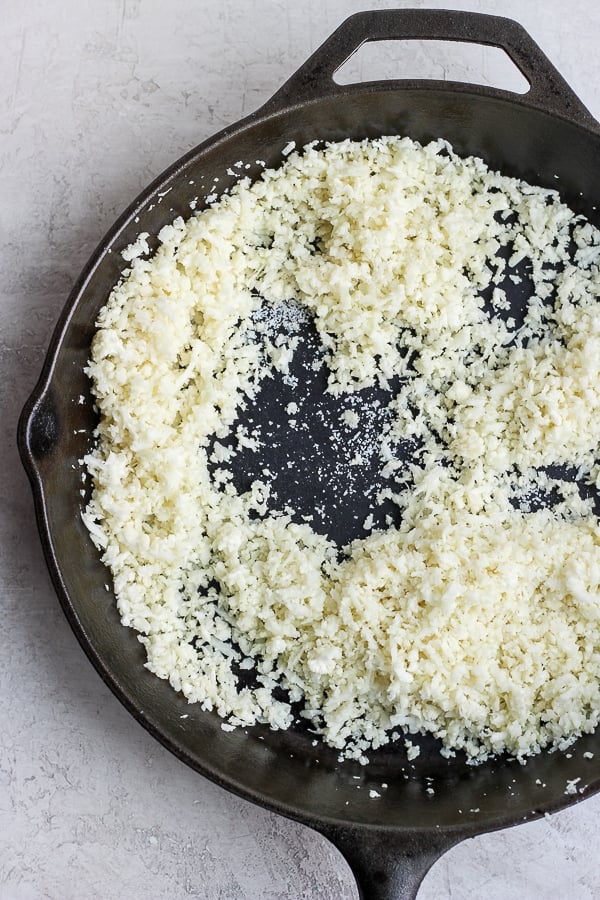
x=271, y=109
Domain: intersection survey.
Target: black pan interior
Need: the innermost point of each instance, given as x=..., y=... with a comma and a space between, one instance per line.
x=286, y=771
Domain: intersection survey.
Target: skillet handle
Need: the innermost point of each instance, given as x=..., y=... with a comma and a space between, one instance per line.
x=388, y=865
x=548, y=89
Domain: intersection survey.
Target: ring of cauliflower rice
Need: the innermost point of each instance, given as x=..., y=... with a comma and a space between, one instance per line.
x=476, y=619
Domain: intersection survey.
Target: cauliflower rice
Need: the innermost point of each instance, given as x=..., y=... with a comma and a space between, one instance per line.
x=476, y=619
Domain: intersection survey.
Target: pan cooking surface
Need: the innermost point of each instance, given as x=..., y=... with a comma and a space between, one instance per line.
x=430, y=649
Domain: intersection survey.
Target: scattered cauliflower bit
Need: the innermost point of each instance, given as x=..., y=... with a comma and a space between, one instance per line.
x=350, y=418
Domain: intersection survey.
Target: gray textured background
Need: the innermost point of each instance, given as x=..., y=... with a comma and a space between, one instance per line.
x=96, y=99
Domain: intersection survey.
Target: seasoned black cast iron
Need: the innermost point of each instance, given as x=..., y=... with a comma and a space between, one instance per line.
x=392, y=841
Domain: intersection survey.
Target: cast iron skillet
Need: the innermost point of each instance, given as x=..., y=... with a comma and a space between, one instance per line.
x=545, y=136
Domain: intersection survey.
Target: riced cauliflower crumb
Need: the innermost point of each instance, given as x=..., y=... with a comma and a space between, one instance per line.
x=475, y=617
x=350, y=418
x=137, y=249
x=571, y=787
x=412, y=750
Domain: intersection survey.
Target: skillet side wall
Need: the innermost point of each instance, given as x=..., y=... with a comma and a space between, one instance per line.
x=282, y=770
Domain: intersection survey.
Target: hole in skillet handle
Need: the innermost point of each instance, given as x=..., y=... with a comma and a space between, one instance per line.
x=467, y=62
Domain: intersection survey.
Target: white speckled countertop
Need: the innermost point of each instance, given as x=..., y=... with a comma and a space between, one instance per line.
x=97, y=97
